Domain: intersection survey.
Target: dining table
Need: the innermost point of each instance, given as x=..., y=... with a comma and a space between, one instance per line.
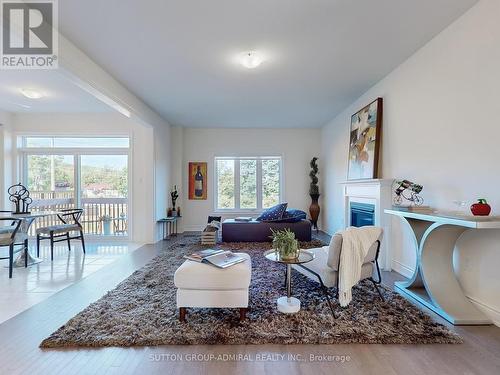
x=28, y=218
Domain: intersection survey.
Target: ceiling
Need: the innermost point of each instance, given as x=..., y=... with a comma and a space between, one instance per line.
x=60, y=95
x=178, y=56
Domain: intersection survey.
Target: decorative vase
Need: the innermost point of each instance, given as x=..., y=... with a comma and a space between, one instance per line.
x=314, y=210
x=288, y=257
x=289, y=251
x=481, y=208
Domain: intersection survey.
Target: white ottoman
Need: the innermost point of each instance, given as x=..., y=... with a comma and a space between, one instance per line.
x=203, y=285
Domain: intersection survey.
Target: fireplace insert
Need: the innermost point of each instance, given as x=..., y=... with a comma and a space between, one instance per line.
x=362, y=214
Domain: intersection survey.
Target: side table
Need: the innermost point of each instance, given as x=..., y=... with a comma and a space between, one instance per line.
x=289, y=304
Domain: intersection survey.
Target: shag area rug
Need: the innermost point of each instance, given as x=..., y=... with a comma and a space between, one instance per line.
x=141, y=311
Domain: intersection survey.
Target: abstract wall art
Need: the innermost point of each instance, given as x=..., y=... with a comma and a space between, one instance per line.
x=364, y=143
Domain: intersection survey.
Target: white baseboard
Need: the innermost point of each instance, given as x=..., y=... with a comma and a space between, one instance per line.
x=192, y=228
x=489, y=311
x=402, y=269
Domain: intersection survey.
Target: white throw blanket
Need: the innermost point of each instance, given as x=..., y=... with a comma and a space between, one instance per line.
x=356, y=243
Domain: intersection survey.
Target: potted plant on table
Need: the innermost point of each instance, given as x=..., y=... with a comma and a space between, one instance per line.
x=106, y=224
x=285, y=244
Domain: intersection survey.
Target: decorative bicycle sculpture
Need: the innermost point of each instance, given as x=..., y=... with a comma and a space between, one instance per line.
x=20, y=196
x=409, y=191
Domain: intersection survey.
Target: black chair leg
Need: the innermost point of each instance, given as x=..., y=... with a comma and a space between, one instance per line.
x=51, y=246
x=324, y=289
x=83, y=241
x=378, y=290
x=38, y=246
x=327, y=295
x=25, y=253
x=11, y=260
x=69, y=241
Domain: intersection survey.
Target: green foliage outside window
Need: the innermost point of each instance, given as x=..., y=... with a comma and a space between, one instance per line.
x=225, y=184
x=40, y=175
x=248, y=171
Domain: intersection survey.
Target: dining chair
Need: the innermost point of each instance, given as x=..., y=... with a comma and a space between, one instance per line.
x=70, y=222
x=13, y=235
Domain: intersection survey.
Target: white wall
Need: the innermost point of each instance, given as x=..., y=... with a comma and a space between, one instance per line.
x=6, y=120
x=177, y=168
x=143, y=156
x=162, y=175
x=440, y=130
x=296, y=146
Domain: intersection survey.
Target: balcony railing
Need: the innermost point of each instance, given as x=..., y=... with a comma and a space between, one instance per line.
x=101, y=216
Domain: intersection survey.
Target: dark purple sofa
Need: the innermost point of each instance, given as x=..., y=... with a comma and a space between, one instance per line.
x=258, y=231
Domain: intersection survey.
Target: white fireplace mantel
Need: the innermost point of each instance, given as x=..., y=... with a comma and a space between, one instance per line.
x=379, y=193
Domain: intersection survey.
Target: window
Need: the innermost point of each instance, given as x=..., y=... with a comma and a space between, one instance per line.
x=75, y=142
x=247, y=183
x=91, y=173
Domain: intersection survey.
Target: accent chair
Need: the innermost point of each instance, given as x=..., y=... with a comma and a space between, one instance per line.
x=324, y=269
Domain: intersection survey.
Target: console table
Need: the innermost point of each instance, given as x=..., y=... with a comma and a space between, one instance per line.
x=169, y=226
x=434, y=283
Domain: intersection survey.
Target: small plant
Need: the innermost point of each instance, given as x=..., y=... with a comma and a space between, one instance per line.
x=313, y=187
x=285, y=244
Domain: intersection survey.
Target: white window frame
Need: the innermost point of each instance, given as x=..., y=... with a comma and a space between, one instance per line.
x=237, y=185
x=22, y=170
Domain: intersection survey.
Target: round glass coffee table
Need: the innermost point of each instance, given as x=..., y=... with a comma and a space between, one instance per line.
x=289, y=304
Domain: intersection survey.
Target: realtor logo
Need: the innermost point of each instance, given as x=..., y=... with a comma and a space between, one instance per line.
x=29, y=34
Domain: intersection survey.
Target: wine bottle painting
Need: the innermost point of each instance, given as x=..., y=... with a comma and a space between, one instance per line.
x=198, y=180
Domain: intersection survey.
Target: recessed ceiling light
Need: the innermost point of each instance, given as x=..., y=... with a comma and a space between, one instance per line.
x=32, y=93
x=251, y=59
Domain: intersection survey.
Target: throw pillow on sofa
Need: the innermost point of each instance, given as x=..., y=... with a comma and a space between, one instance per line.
x=293, y=216
x=274, y=213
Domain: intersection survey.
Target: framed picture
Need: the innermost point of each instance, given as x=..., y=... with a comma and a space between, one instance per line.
x=197, y=180
x=364, y=141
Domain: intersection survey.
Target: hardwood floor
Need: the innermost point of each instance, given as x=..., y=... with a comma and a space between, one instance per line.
x=21, y=335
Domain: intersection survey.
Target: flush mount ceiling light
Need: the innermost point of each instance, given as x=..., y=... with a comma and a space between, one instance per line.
x=32, y=93
x=251, y=59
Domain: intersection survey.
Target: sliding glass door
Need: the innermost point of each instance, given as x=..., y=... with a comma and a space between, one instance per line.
x=104, y=192
x=92, y=174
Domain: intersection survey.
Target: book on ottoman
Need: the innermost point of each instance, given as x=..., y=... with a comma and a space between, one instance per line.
x=217, y=258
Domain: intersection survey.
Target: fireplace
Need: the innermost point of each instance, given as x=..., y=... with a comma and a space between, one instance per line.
x=362, y=214
x=364, y=204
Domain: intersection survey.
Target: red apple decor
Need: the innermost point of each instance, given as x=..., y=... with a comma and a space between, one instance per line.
x=481, y=208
